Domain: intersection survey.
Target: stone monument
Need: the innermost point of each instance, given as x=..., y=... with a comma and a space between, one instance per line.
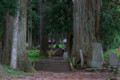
x=82, y=60
x=65, y=55
x=119, y=70
x=97, y=56
x=113, y=61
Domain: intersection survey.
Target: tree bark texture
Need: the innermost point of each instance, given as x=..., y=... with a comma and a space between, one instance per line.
x=69, y=43
x=23, y=63
x=13, y=63
x=30, y=39
x=16, y=41
x=29, y=30
x=0, y=50
x=43, y=36
x=22, y=60
x=86, y=21
x=7, y=40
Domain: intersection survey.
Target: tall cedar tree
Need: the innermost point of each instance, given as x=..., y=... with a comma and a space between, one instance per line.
x=86, y=21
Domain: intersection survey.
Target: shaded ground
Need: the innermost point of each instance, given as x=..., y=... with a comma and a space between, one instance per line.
x=3, y=72
x=64, y=76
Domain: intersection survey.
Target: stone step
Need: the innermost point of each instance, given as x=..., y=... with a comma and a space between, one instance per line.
x=59, y=69
x=54, y=69
x=54, y=65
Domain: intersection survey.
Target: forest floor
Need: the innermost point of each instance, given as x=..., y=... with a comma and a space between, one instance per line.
x=78, y=75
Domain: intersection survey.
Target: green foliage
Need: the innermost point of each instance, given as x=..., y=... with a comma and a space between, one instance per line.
x=113, y=50
x=33, y=55
x=60, y=46
x=69, y=59
x=50, y=52
x=13, y=72
x=110, y=51
x=109, y=30
x=60, y=17
x=105, y=57
x=6, y=6
x=54, y=45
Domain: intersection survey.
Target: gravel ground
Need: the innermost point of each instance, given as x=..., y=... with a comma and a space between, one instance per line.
x=78, y=75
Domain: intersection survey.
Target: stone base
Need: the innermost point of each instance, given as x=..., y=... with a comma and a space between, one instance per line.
x=96, y=69
x=119, y=71
x=113, y=68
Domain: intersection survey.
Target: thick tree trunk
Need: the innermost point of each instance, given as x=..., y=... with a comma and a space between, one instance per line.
x=0, y=50
x=43, y=36
x=30, y=24
x=7, y=40
x=19, y=40
x=86, y=20
x=30, y=39
x=69, y=43
x=14, y=41
x=2, y=37
x=23, y=62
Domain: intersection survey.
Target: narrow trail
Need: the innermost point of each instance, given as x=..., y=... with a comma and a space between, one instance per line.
x=78, y=75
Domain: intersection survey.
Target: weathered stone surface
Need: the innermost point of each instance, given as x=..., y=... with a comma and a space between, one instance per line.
x=53, y=65
x=113, y=62
x=73, y=60
x=82, y=60
x=65, y=55
x=113, y=59
x=119, y=69
x=97, y=56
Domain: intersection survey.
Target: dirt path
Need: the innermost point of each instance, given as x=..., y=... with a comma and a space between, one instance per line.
x=64, y=76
